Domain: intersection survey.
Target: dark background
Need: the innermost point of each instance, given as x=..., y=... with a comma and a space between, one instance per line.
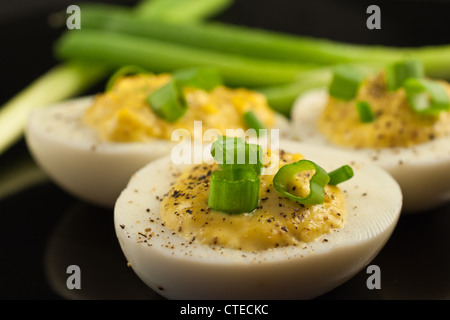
x=44, y=230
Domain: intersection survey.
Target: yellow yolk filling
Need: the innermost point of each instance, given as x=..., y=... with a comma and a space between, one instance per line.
x=124, y=115
x=396, y=124
x=277, y=222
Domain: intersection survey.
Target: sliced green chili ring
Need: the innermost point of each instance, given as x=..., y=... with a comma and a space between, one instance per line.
x=235, y=153
x=168, y=102
x=340, y=175
x=252, y=121
x=317, y=182
x=426, y=97
x=121, y=72
x=346, y=82
x=365, y=112
x=399, y=71
x=234, y=191
x=201, y=78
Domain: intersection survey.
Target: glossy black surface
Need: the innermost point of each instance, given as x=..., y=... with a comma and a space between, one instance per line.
x=44, y=229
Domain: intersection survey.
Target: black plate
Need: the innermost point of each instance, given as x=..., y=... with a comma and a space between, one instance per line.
x=44, y=230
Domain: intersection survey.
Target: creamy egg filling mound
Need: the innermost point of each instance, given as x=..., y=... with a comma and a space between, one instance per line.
x=124, y=115
x=395, y=124
x=276, y=222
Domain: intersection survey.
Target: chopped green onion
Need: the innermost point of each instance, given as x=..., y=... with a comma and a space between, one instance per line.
x=121, y=72
x=252, y=121
x=235, y=153
x=317, y=183
x=225, y=149
x=235, y=188
x=168, y=102
x=254, y=155
x=365, y=111
x=426, y=96
x=202, y=78
x=399, y=71
x=234, y=191
x=340, y=175
x=345, y=82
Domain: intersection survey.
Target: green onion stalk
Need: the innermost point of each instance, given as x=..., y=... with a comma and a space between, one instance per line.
x=265, y=44
x=180, y=10
x=268, y=45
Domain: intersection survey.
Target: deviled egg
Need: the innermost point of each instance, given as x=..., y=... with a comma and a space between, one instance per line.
x=404, y=128
x=181, y=246
x=90, y=146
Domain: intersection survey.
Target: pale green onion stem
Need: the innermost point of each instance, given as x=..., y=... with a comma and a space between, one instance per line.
x=59, y=83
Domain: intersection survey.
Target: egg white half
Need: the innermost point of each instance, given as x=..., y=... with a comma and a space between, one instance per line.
x=423, y=171
x=79, y=162
x=177, y=268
